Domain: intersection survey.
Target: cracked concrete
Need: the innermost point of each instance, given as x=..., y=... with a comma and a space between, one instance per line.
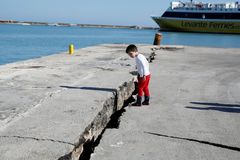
x=37, y=139
x=195, y=98
x=50, y=103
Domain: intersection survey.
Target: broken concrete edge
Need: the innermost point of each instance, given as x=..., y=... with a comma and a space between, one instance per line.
x=113, y=104
x=154, y=48
x=167, y=47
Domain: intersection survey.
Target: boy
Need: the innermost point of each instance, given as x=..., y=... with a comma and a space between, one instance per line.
x=143, y=75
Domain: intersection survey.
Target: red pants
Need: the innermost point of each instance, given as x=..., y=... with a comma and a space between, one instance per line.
x=143, y=86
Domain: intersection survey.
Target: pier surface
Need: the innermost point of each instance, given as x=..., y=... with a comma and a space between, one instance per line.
x=48, y=104
x=51, y=106
x=194, y=111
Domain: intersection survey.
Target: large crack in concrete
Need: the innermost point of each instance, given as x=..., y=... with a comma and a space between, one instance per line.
x=108, y=117
x=96, y=128
x=114, y=122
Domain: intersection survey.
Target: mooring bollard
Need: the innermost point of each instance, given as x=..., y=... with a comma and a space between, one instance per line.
x=71, y=49
x=157, y=39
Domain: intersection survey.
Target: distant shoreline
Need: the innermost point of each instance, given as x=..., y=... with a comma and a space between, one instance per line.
x=73, y=25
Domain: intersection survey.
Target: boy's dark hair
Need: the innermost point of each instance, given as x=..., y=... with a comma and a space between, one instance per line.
x=131, y=48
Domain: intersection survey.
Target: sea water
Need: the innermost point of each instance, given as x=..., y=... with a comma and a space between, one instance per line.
x=18, y=42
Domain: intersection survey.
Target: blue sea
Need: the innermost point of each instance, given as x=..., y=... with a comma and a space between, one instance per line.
x=18, y=42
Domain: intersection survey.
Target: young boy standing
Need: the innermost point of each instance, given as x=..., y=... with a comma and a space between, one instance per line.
x=143, y=75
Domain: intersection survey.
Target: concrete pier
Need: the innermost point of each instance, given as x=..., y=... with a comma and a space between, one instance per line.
x=194, y=111
x=51, y=106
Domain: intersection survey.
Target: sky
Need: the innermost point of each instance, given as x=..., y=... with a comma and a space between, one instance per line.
x=113, y=12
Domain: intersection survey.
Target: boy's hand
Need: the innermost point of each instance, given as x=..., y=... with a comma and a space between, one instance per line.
x=143, y=78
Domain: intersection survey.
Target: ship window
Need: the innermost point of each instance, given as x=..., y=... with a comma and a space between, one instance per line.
x=202, y=15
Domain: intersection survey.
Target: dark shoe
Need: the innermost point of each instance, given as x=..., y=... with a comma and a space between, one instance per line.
x=146, y=101
x=138, y=102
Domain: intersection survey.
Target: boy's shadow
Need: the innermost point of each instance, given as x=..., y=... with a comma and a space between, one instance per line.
x=135, y=73
x=135, y=92
x=131, y=98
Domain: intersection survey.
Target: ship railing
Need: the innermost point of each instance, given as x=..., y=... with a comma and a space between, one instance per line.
x=205, y=6
x=207, y=9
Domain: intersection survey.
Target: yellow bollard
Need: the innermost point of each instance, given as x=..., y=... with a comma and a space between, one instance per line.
x=71, y=49
x=157, y=39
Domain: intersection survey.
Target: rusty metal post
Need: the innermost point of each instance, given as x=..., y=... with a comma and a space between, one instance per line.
x=158, y=38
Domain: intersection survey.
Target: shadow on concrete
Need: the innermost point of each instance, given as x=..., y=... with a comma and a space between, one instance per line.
x=231, y=108
x=216, y=104
x=92, y=88
x=197, y=141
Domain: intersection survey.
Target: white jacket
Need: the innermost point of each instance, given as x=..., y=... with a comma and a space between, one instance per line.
x=142, y=65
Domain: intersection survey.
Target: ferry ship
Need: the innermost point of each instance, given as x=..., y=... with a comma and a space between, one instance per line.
x=201, y=17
